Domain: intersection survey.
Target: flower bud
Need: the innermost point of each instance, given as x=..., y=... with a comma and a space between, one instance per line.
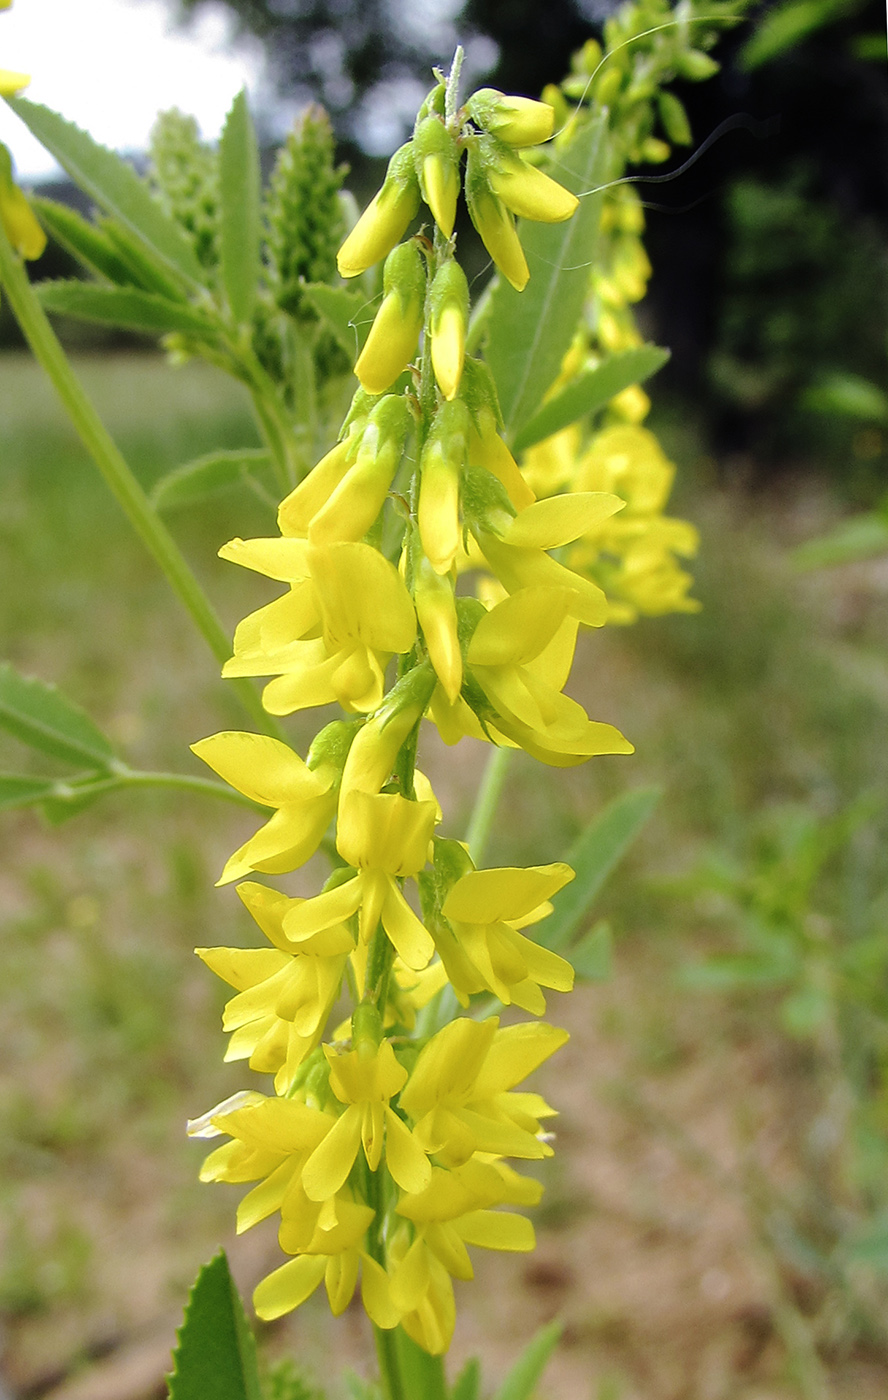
x=450, y=320
x=528, y=192
x=18, y=218
x=443, y=459
x=437, y=165
x=395, y=332
x=360, y=495
x=11, y=83
x=519, y=121
x=487, y=449
x=385, y=220
x=495, y=224
x=371, y=758
x=436, y=610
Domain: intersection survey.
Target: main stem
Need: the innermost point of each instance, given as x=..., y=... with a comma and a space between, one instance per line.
x=117, y=473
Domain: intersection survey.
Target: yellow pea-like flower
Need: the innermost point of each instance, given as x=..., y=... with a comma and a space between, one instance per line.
x=394, y=334
x=437, y=165
x=519, y=121
x=528, y=192
x=449, y=326
x=384, y=222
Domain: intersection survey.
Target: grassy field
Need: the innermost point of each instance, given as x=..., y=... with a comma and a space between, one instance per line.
x=718, y=1171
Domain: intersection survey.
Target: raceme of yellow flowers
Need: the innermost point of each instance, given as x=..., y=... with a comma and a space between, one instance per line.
x=386, y=1148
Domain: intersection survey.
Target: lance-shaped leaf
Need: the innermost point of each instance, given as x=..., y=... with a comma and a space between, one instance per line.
x=529, y=332
x=521, y=1381
x=593, y=856
x=90, y=245
x=216, y=1355
x=239, y=221
x=40, y=716
x=861, y=537
x=112, y=183
x=467, y=1385
x=124, y=306
x=216, y=471
x=347, y=315
x=591, y=392
x=16, y=791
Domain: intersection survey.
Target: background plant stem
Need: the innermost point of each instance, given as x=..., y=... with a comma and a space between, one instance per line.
x=117, y=473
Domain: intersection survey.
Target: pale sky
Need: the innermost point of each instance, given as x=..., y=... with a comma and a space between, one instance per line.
x=111, y=65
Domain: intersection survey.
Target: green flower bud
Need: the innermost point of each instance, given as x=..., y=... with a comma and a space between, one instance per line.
x=443, y=459
x=437, y=165
x=519, y=121
x=303, y=212
x=184, y=172
x=494, y=223
x=449, y=324
x=384, y=222
x=674, y=119
x=395, y=331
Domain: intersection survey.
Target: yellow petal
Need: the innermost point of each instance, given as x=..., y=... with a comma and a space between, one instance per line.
x=486, y=896
x=495, y=1229
x=329, y=1165
x=404, y=1157
x=557, y=520
x=288, y=1286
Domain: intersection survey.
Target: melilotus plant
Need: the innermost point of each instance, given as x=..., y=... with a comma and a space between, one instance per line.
x=489, y=492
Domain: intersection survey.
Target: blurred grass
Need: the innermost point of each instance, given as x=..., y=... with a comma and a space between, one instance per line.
x=775, y=694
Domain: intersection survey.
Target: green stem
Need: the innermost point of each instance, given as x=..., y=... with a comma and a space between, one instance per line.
x=184, y=782
x=390, y=1365
x=486, y=803
x=111, y=463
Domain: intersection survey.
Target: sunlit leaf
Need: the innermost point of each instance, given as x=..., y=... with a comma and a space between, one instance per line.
x=347, y=315
x=216, y=1355
x=123, y=306
x=239, y=196
x=41, y=717
x=214, y=472
x=591, y=392
x=521, y=1380
x=593, y=856
x=112, y=183
x=529, y=332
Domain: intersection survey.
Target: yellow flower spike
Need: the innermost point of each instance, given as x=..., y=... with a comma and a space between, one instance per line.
x=394, y=335
x=528, y=192
x=437, y=165
x=270, y=773
x=436, y=610
x=359, y=497
x=449, y=325
x=519, y=121
x=482, y=949
x=385, y=220
x=18, y=218
x=443, y=459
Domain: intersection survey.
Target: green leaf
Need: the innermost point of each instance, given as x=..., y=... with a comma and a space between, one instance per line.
x=216, y=1355
x=123, y=306
x=90, y=245
x=422, y=1375
x=847, y=396
x=18, y=791
x=239, y=221
x=468, y=1382
x=347, y=315
x=861, y=537
x=200, y=478
x=529, y=332
x=787, y=25
x=521, y=1380
x=592, y=956
x=591, y=392
x=40, y=716
x=112, y=183
x=593, y=856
